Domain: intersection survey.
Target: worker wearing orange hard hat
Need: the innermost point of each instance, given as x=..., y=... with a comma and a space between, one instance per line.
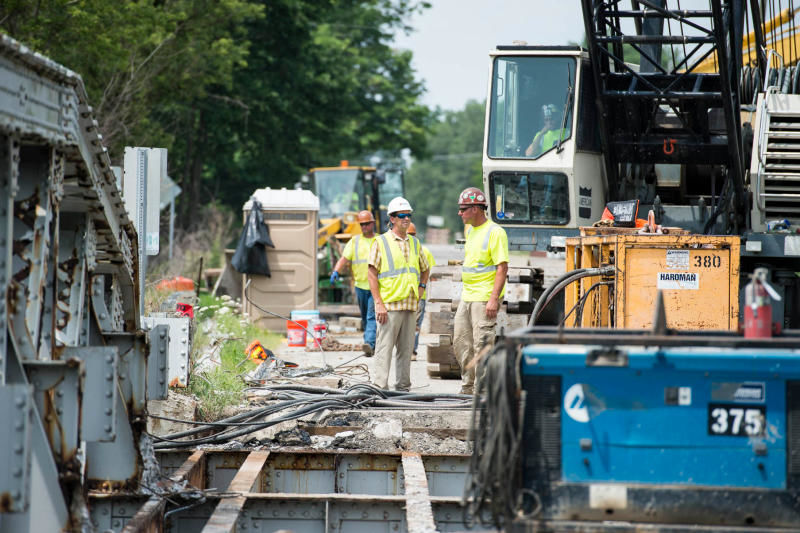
x=356, y=255
x=412, y=230
x=483, y=276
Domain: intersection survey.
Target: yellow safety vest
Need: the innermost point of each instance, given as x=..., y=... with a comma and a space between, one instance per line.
x=397, y=277
x=359, y=263
x=478, y=272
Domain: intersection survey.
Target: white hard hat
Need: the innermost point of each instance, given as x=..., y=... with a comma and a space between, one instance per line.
x=398, y=203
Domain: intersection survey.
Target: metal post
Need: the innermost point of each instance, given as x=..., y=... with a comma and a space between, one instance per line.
x=141, y=223
x=171, y=224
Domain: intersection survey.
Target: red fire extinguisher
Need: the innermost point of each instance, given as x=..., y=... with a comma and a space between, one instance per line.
x=758, y=296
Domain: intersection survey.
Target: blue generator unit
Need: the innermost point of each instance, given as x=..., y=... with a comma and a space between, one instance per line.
x=623, y=430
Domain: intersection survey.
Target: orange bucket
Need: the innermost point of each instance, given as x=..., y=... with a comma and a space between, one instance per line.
x=296, y=335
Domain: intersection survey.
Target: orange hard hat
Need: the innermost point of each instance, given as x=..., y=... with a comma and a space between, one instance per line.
x=365, y=216
x=412, y=229
x=472, y=196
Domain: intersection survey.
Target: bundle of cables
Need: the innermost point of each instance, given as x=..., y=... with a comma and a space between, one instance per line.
x=494, y=479
x=296, y=401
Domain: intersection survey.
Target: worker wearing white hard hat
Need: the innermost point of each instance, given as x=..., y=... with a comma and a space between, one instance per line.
x=398, y=274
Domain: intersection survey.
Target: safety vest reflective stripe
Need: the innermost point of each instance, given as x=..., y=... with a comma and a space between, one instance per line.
x=397, y=271
x=398, y=276
x=358, y=261
x=479, y=269
x=486, y=239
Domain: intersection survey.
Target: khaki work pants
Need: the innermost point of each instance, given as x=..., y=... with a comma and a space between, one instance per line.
x=472, y=333
x=398, y=331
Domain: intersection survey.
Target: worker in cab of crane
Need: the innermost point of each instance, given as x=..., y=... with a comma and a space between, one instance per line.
x=483, y=276
x=356, y=255
x=547, y=137
x=412, y=230
x=398, y=273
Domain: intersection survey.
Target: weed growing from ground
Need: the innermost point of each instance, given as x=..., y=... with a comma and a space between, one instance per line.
x=228, y=333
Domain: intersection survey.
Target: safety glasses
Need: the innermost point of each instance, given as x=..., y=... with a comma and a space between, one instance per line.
x=365, y=224
x=462, y=209
x=403, y=215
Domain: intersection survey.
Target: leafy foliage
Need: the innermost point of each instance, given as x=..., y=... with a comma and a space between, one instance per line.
x=433, y=184
x=243, y=93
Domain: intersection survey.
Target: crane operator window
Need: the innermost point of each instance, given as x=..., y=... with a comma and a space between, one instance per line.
x=529, y=198
x=531, y=105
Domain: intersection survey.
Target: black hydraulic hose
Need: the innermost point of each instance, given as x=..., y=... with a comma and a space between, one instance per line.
x=307, y=400
x=561, y=283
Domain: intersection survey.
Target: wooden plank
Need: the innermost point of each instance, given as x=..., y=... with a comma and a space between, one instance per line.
x=150, y=517
x=442, y=322
x=227, y=512
x=419, y=513
x=441, y=354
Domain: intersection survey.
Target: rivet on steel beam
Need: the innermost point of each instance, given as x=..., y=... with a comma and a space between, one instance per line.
x=18, y=449
x=59, y=393
x=107, y=429
x=20, y=401
x=59, y=411
x=108, y=394
x=17, y=472
x=107, y=411
x=109, y=376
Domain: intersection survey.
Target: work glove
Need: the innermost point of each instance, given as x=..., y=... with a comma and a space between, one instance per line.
x=334, y=277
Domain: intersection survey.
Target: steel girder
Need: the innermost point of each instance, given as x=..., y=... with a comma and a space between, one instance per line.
x=73, y=356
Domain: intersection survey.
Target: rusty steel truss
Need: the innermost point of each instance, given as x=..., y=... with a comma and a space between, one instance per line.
x=74, y=372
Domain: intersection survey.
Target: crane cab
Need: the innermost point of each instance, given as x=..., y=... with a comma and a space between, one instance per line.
x=542, y=163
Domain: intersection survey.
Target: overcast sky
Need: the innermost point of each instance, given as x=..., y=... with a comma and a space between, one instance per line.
x=453, y=38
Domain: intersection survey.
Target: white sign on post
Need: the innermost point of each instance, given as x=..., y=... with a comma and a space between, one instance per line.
x=143, y=170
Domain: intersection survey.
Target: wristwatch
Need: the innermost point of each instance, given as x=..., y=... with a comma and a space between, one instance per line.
x=422, y=285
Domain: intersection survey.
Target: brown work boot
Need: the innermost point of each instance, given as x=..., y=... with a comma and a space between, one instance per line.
x=367, y=349
x=413, y=356
x=466, y=390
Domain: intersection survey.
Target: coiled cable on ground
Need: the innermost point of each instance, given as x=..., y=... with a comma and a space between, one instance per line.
x=296, y=401
x=495, y=473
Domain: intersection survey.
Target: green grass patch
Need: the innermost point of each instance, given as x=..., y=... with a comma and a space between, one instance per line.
x=223, y=387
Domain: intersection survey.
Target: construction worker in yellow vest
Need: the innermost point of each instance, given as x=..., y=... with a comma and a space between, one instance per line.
x=483, y=276
x=412, y=230
x=398, y=273
x=356, y=254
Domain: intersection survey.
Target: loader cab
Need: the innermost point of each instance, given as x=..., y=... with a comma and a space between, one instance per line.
x=391, y=183
x=542, y=167
x=343, y=190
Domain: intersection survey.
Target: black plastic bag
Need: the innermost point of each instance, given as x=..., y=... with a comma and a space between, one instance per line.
x=251, y=252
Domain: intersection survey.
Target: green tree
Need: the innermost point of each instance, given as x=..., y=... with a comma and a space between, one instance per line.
x=433, y=184
x=243, y=93
x=322, y=83
x=137, y=56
